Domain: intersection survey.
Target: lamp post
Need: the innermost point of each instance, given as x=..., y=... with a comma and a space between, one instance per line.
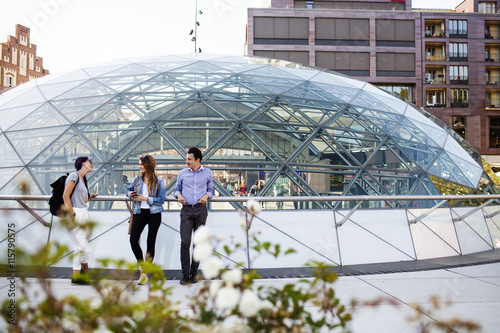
x=195, y=31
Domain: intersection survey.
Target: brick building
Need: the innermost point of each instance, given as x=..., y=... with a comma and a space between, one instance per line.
x=18, y=60
x=446, y=61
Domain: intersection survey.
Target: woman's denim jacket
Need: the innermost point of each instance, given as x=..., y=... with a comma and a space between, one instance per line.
x=155, y=202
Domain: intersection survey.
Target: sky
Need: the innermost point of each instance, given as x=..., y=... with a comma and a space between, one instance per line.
x=75, y=33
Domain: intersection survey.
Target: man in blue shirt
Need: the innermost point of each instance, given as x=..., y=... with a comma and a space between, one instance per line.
x=194, y=187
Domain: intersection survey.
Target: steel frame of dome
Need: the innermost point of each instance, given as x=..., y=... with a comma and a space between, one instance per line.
x=298, y=128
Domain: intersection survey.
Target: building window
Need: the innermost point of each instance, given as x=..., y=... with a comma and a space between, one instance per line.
x=487, y=7
x=459, y=98
x=349, y=63
x=458, y=28
x=404, y=92
x=281, y=30
x=338, y=31
x=395, y=33
x=458, y=52
x=436, y=98
x=10, y=81
x=396, y=64
x=459, y=74
x=460, y=126
x=301, y=57
x=495, y=132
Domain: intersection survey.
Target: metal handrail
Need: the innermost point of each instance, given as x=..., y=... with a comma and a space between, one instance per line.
x=359, y=198
x=284, y=198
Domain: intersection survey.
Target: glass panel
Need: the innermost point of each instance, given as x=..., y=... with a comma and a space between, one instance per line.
x=274, y=84
x=29, y=97
x=445, y=167
x=338, y=81
x=88, y=88
x=415, y=131
x=116, y=110
x=9, y=155
x=423, y=155
x=472, y=171
x=29, y=146
x=65, y=150
x=78, y=108
x=122, y=83
x=279, y=112
x=435, y=236
x=493, y=224
x=197, y=134
x=373, y=102
x=6, y=174
x=385, y=121
x=12, y=116
x=385, y=238
x=391, y=101
x=44, y=116
x=240, y=87
x=53, y=90
x=15, y=187
x=129, y=72
x=472, y=231
x=77, y=75
x=454, y=148
x=242, y=146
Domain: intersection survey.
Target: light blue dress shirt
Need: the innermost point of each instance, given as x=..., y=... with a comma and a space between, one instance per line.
x=194, y=185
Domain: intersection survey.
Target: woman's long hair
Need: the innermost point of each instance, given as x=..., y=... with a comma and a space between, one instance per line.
x=149, y=164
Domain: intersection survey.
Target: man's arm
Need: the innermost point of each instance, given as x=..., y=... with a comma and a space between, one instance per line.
x=210, y=189
x=178, y=190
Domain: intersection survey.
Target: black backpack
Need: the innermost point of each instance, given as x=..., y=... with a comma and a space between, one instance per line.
x=56, y=200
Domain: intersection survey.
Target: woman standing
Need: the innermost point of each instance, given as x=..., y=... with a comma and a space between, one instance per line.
x=148, y=192
x=75, y=196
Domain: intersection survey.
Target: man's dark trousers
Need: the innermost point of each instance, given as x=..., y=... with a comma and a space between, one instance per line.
x=192, y=217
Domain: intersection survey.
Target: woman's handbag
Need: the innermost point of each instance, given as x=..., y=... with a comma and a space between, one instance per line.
x=131, y=219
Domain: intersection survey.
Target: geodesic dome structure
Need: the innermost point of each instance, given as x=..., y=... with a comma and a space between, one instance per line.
x=295, y=129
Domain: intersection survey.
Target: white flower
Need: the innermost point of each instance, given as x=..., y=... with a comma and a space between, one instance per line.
x=253, y=207
x=214, y=287
x=201, y=235
x=211, y=267
x=95, y=303
x=243, y=222
x=220, y=237
x=227, y=298
x=266, y=304
x=202, y=251
x=249, y=304
x=234, y=276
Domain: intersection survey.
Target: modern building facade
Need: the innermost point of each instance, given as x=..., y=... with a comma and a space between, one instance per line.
x=19, y=62
x=446, y=61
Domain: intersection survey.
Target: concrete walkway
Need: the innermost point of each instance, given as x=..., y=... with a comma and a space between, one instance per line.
x=474, y=293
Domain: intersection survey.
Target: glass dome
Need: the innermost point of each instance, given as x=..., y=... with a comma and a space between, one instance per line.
x=295, y=130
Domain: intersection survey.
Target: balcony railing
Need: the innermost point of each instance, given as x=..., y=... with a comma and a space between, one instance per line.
x=492, y=103
x=492, y=36
x=438, y=80
x=438, y=34
x=458, y=104
x=438, y=56
x=492, y=57
x=492, y=80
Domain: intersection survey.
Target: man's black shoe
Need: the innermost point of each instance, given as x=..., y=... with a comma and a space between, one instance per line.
x=193, y=279
x=185, y=280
